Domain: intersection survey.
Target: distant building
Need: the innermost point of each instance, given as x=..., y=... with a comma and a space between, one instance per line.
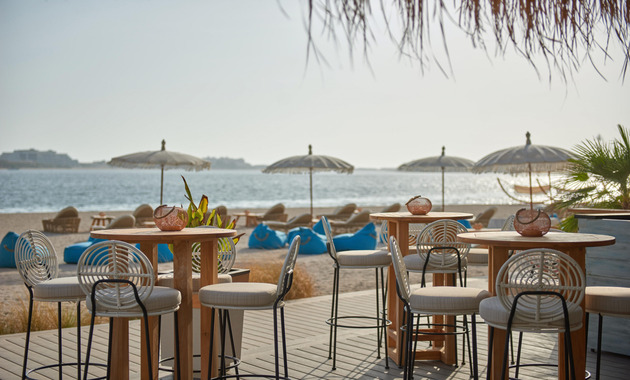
x=36, y=158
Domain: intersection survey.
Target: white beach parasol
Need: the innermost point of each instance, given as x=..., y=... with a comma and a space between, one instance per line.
x=309, y=164
x=526, y=158
x=162, y=159
x=438, y=163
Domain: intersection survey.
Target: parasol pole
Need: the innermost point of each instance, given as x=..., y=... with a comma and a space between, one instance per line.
x=310, y=177
x=162, y=185
x=531, y=193
x=442, y=186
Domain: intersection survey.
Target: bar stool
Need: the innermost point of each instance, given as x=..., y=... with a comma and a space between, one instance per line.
x=436, y=300
x=540, y=291
x=377, y=259
x=611, y=301
x=251, y=296
x=36, y=261
x=118, y=280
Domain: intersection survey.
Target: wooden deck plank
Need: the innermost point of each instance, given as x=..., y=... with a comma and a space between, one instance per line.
x=307, y=344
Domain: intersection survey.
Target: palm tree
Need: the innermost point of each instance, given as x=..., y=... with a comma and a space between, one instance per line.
x=599, y=175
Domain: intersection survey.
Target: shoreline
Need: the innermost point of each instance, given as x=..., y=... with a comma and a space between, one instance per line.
x=319, y=266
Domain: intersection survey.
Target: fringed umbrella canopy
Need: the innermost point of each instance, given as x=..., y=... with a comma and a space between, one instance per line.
x=162, y=159
x=308, y=164
x=526, y=158
x=439, y=163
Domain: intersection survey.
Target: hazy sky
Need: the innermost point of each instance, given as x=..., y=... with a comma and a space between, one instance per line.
x=97, y=79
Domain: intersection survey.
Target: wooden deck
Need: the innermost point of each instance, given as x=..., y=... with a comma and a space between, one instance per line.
x=307, y=335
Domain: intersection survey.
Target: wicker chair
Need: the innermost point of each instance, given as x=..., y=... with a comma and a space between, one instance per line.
x=538, y=291
x=66, y=221
x=143, y=214
x=341, y=213
x=353, y=224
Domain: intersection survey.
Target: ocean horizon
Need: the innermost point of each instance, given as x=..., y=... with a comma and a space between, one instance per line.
x=117, y=189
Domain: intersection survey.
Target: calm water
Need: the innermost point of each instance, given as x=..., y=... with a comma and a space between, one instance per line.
x=49, y=190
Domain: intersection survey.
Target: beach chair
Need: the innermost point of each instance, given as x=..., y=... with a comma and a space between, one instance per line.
x=303, y=220
x=143, y=215
x=66, y=221
x=391, y=208
x=123, y=221
x=276, y=213
x=341, y=213
x=484, y=217
x=353, y=224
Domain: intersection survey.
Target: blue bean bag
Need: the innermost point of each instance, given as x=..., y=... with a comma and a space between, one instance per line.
x=319, y=227
x=7, y=250
x=311, y=242
x=72, y=253
x=365, y=238
x=263, y=237
x=465, y=223
x=164, y=253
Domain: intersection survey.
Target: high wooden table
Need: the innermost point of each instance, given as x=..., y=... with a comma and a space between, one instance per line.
x=398, y=226
x=573, y=244
x=182, y=242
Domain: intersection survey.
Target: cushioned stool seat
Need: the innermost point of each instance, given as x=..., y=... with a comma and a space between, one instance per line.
x=447, y=300
x=167, y=280
x=496, y=315
x=162, y=300
x=609, y=300
x=58, y=290
x=364, y=258
x=606, y=300
x=235, y=295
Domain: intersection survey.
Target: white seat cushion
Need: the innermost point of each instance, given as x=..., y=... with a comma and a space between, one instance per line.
x=167, y=280
x=364, y=258
x=496, y=315
x=610, y=300
x=162, y=300
x=241, y=295
x=447, y=300
x=414, y=263
x=58, y=289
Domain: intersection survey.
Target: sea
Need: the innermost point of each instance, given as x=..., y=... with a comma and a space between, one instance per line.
x=117, y=189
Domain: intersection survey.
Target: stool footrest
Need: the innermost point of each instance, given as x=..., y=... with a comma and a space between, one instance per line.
x=379, y=325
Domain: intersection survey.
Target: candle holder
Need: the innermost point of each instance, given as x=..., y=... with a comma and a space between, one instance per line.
x=531, y=223
x=419, y=205
x=169, y=218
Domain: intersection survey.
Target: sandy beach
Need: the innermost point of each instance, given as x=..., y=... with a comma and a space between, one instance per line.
x=319, y=267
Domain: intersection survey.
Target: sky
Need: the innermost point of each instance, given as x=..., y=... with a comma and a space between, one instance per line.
x=99, y=79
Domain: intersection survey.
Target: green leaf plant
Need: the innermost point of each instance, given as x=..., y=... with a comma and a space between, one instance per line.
x=599, y=176
x=198, y=216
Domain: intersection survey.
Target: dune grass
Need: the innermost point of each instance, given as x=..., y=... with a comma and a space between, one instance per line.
x=269, y=272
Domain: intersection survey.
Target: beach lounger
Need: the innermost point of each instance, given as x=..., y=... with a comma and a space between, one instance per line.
x=341, y=213
x=123, y=221
x=353, y=224
x=276, y=212
x=303, y=220
x=143, y=215
x=391, y=208
x=66, y=221
x=484, y=217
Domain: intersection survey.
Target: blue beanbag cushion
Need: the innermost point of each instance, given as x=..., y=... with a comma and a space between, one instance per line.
x=319, y=227
x=7, y=250
x=263, y=237
x=465, y=223
x=365, y=238
x=311, y=242
x=164, y=253
x=72, y=252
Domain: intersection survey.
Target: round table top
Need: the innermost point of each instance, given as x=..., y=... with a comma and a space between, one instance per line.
x=137, y=235
x=406, y=216
x=512, y=239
